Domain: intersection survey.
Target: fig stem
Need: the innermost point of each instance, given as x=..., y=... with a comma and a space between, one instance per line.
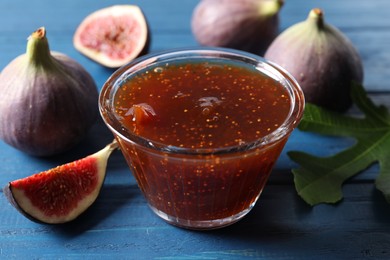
x=270, y=8
x=38, y=51
x=317, y=15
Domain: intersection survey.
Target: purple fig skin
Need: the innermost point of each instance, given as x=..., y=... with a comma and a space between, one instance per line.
x=8, y=194
x=48, y=102
x=248, y=25
x=321, y=58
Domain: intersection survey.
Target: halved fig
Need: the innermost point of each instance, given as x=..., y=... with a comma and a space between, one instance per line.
x=61, y=194
x=113, y=36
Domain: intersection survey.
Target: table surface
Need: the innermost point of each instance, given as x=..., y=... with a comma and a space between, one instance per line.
x=120, y=224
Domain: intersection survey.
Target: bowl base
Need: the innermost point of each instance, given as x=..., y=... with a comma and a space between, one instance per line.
x=202, y=224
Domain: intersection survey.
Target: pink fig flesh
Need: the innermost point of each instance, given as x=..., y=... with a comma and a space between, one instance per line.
x=113, y=36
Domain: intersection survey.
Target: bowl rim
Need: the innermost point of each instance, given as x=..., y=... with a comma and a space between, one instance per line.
x=285, y=78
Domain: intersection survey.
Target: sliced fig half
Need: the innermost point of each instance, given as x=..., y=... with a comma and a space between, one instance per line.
x=62, y=193
x=113, y=36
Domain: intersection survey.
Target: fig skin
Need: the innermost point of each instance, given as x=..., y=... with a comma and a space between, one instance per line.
x=93, y=39
x=321, y=58
x=48, y=100
x=248, y=25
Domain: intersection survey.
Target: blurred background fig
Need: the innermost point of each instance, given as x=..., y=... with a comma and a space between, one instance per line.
x=248, y=25
x=321, y=58
x=48, y=101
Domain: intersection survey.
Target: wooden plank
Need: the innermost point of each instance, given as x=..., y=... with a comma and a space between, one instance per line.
x=280, y=226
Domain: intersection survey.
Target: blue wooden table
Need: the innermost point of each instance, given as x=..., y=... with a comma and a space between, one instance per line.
x=120, y=224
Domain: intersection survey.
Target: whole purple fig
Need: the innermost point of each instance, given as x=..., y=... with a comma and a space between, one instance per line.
x=248, y=25
x=48, y=101
x=321, y=58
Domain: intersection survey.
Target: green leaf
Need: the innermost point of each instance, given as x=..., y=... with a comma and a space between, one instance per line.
x=320, y=179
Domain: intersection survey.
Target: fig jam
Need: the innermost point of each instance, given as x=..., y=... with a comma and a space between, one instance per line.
x=197, y=159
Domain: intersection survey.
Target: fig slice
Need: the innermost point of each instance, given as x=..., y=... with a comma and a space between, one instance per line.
x=113, y=36
x=62, y=193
